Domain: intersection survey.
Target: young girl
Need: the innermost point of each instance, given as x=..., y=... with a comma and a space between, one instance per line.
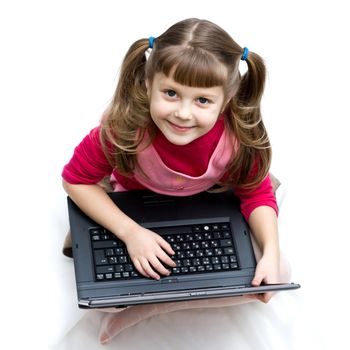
x=183, y=119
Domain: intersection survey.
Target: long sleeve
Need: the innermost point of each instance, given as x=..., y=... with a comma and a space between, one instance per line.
x=88, y=164
x=262, y=195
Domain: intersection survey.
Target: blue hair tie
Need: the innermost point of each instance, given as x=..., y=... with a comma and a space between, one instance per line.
x=151, y=41
x=245, y=54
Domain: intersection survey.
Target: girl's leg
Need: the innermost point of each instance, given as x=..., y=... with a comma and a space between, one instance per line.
x=116, y=321
x=113, y=323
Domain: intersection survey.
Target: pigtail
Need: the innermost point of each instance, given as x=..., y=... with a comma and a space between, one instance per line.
x=253, y=160
x=128, y=117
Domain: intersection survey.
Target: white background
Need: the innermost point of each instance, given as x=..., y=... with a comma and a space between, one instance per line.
x=59, y=62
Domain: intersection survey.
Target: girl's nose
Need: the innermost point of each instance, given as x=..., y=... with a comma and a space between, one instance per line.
x=184, y=112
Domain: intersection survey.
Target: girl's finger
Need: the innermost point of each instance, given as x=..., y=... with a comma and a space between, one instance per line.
x=165, y=258
x=140, y=269
x=165, y=245
x=148, y=269
x=159, y=266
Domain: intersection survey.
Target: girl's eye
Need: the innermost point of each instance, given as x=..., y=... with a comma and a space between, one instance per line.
x=170, y=93
x=203, y=100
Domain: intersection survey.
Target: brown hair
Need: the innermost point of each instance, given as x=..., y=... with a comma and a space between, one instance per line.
x=195, y=53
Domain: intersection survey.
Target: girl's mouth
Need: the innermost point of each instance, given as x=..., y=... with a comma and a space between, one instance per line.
x=180, y=128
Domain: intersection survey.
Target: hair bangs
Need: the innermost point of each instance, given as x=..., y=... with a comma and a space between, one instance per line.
x=192, y=67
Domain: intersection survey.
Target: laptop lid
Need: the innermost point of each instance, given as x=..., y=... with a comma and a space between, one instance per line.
x=173, y=218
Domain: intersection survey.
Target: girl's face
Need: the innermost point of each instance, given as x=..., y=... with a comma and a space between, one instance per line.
x=183, y=113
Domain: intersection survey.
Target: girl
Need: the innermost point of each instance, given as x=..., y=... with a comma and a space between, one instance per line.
x=180, y=98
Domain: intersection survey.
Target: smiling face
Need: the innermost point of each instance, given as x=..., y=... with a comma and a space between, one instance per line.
x=183, y=113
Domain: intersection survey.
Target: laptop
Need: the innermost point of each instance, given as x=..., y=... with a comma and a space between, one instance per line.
x=213, y=251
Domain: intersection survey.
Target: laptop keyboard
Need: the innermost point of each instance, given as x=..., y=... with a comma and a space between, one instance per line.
x=198, y=249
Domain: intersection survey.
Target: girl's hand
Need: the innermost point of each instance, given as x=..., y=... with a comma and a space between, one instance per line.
x=267, y=271
x=147, y=251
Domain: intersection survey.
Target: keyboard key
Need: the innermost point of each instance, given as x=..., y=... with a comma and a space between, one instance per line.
x=233, y=258
x=179, y=238
x=189, y=237
x=199, y=253
x=122, y=260
x=224, y=259
x=196, y=262
x=205, y=261
x=181, y=254
x=228, y=251
x=208, y=235
x=205, y=244
x=186, y=262
x=119, y=268
x=104, y=269
x=217, y=267
x=128, y=267
x=218, y=251
x=96, y=231
x=189, y=254
x=198, y=237
x=217, y=235
x=113, y=260
x=104, y=244
x=109, y=252
x=226, y=234
x=195, y=245
x=215, y=260
x=214, y=244
x=225, y=243
x=119, y=251
x=100, y=258
x=208, y=252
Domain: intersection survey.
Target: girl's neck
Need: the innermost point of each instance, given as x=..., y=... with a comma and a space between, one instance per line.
x=191, y=159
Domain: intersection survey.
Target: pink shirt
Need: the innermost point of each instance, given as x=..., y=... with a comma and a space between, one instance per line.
x=170, y=169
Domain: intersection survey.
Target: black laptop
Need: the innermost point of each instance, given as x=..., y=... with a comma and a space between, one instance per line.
x=213, y=251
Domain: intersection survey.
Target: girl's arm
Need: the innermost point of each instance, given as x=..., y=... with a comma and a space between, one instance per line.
x=263, y=223
x=146, y=248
